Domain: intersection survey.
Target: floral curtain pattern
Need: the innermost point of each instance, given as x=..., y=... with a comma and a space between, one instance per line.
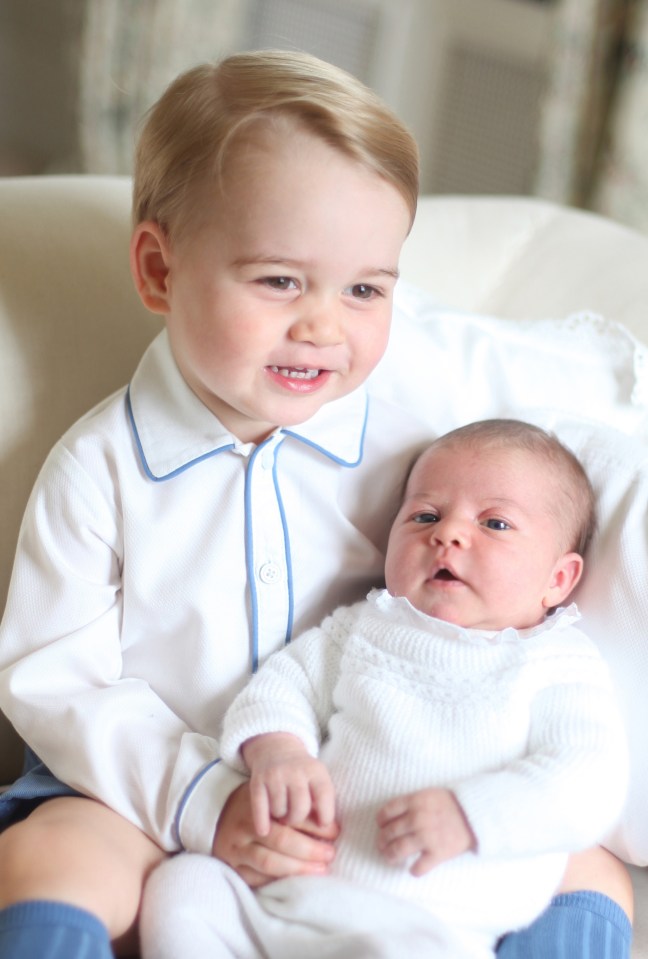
x=582, y=85
x=621, y=191
x=593, y=144
x=131, y=50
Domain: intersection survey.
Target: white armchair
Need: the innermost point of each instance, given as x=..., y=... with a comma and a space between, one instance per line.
x=72, y=328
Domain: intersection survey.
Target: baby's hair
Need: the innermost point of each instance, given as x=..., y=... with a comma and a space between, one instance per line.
x=199, y=119
x=577, y=511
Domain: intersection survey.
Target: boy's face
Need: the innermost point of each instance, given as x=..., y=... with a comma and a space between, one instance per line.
x=281, y=301
x=477, y=542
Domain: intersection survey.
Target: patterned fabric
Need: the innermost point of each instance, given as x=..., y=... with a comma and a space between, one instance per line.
x=582, y=78
x=623, y=183
x=131, y=51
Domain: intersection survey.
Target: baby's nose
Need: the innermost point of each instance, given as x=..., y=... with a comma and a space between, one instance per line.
x=451, y=532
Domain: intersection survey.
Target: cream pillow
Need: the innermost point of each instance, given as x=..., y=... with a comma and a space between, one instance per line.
x=474, y=367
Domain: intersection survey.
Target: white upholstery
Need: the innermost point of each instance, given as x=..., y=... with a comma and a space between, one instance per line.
x=72, y=328
x=522, y=258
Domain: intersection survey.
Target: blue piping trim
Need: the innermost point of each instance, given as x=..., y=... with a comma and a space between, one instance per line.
x=249, y=547
x=185, y=799
x=289, y=575
x=180, y=469
x=331, y=456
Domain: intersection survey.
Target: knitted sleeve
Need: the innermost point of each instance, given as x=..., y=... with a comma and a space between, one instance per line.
x=292, y=691
x=566, y=792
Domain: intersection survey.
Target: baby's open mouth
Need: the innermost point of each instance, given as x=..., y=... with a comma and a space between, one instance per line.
x=295, y=372
x=444, y=574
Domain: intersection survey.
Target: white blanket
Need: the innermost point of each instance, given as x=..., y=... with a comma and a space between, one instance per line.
x=301, y=918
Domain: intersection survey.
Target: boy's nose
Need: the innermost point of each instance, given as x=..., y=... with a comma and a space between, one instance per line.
x=318, y=324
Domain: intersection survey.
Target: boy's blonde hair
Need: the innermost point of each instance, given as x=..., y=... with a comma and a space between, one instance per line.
x=574, y=508
x=194, y=125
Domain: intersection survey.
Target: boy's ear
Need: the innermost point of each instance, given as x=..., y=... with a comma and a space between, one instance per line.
x=566, y=574
x=149, y=263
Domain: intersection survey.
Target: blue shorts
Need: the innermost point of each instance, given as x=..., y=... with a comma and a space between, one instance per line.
x=35, y=786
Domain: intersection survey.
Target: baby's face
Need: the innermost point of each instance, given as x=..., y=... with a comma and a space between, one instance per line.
x=476, y=541
x=283, y=301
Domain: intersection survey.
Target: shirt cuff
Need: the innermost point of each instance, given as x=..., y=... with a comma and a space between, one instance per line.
x=202, y=805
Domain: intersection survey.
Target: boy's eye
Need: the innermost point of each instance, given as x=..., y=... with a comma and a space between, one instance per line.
x=497, y=524
x=362, y=291
x=279, y=282
x=426, y=518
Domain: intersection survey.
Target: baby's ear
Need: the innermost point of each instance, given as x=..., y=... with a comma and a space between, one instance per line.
x=149, y=262
x=566, y=574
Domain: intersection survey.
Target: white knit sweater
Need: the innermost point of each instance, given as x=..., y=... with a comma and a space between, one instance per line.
x=521, y=725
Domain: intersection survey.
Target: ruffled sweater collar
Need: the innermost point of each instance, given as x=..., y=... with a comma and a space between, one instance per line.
x=399, y=611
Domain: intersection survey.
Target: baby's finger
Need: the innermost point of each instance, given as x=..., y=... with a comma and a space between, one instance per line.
x=392, y=809
x=393, y=829
x=299, y=804
x=399, y=848
x=323, y=801
x=278, y=799
x=260, y=805
x=425, y=863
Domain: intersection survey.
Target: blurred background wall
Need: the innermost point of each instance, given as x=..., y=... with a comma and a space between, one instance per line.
x=545, y=97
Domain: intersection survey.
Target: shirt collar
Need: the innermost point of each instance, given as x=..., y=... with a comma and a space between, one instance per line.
x=174, y=430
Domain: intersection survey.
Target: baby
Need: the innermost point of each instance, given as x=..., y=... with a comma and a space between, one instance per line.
x=457, y=724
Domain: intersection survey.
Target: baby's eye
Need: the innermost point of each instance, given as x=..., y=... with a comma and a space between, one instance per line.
x=363, y=291
x=279, y=282
x=497, y=524
x=426, y=518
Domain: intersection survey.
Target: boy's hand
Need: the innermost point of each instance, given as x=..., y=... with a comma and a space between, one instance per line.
x=429, y=822
x=286, y=783
x=307, y=849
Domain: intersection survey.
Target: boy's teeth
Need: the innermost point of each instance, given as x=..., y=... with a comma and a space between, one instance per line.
x=295, y=373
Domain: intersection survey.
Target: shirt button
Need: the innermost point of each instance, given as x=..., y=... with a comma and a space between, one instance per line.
x=270, y=573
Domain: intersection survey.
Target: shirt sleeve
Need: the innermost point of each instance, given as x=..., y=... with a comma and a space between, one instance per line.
x=62, y=682
x=567, y=791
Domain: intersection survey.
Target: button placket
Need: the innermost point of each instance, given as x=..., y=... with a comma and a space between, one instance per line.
x=269, y=562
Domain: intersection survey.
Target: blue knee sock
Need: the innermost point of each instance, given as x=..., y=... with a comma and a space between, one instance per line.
x=576, y=925
x=51, y=930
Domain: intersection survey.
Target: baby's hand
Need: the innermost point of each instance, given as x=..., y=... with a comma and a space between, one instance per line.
x=429, y=822
x=286, y=783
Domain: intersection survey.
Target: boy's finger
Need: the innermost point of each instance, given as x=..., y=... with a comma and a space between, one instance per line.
x=313, y=827
x=285, y=852
x=296, y=843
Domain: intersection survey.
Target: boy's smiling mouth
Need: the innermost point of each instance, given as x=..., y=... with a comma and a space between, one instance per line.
x=295, y=372
x=301, y=380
